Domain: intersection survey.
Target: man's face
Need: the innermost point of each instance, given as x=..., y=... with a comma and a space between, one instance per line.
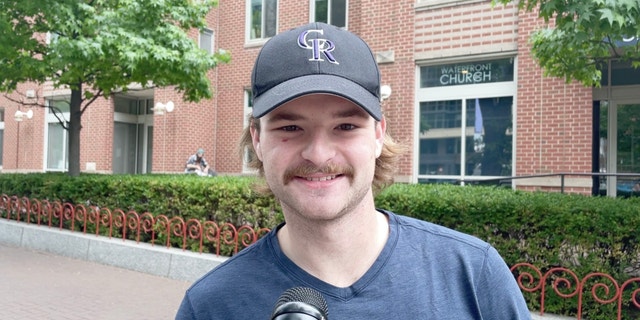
x=319, y=154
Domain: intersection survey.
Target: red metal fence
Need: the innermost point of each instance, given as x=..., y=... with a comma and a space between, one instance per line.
x=600, y=287
x=195, y=234
x=227, y=239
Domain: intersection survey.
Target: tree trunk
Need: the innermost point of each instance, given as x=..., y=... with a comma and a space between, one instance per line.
x=75, y=125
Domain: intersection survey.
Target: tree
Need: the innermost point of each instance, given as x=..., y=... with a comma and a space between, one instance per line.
x=582, y=35
x=96, y=48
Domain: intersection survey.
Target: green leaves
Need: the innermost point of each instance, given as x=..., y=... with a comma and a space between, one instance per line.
x=106, y=45
x=583, y=34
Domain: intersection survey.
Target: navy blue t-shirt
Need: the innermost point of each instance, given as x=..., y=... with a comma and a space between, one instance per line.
x=425, y=271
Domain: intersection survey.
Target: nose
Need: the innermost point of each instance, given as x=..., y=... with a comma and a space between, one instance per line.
x=319, y=148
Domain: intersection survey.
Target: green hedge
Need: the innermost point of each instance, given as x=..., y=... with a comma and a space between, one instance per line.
x=546, y=229
x=221, y=199
x=582, y=233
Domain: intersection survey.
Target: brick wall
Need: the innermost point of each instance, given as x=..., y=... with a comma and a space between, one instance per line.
x=23, y=144
x=96, y=136
x=465, y=28
x=554, y=118
x=388, y=28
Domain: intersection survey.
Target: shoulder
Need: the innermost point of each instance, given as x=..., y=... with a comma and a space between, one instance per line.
x=245, y=260
x=246, y=267
x=419, y=230
x=231, y=286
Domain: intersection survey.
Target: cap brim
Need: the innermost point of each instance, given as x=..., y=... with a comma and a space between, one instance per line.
x=316, y=83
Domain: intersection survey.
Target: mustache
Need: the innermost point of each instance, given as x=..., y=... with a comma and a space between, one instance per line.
x=309, y=168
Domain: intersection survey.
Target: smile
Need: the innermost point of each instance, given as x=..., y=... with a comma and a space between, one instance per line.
x=326, y=178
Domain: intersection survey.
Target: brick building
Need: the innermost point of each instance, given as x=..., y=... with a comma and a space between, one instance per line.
x=466, y=97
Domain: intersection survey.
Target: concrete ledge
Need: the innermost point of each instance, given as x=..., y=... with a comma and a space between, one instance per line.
x=157, y=260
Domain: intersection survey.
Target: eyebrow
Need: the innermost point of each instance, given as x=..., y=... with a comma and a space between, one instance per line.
x=292, y=116
x=353, y=112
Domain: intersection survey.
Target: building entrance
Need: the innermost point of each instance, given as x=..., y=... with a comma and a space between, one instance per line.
x=617, y=115
x=619, y=149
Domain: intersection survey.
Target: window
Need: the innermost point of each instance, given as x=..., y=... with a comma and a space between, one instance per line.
x=132, y=151
x=206, y=40
x=333, y=12
x=465, y=121
x=262, y=18
x=57, y=137
x=487, y=146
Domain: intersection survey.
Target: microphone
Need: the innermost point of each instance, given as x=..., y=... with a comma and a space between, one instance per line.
x=300, y=303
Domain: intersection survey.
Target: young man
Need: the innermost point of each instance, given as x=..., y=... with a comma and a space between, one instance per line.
x=319, y=139
x=198, y=165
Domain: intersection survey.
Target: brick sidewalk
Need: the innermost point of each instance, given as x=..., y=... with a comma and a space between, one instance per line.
x=36, y=285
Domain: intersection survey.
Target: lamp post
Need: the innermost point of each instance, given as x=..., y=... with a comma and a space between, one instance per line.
x=19, y=116
x=160, y=109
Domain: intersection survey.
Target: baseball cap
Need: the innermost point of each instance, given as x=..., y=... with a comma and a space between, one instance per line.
x=200, y=151
x=315, y=58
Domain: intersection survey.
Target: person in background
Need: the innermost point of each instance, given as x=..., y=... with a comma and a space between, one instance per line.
x=198, y=165
x=319, y=140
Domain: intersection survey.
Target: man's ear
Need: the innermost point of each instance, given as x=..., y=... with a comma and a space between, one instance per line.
x=379, y=144
x=381, y=128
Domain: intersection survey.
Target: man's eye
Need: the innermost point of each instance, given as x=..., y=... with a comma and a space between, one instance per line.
x=289, y=128
x=346, y=127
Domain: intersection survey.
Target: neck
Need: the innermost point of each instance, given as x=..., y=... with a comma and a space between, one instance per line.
x=337, y=252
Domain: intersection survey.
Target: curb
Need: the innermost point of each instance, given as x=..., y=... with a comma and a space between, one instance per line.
x=166, y=262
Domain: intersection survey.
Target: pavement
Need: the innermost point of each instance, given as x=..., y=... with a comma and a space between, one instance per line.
x=38, y=285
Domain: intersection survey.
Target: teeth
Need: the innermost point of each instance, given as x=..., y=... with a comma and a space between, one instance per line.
x=321, y=178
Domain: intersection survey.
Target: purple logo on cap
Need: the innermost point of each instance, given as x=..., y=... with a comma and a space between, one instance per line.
x=317, y=46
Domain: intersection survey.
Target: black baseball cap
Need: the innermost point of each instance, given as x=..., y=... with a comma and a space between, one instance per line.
x=315, y=58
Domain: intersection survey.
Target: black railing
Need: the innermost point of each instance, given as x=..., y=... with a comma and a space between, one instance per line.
x=630, y=180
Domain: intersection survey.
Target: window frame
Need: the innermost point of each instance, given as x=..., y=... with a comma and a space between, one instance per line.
x=50, y=119
x=455, y=92
x=312, y=13
x=210, y=33
x=263, y=20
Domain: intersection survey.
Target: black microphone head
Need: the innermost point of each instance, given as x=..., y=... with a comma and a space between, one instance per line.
x=300, y=303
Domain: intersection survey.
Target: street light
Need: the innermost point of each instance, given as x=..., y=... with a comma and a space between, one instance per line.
x=20, y=115
x=385, y=92
x=161, y=108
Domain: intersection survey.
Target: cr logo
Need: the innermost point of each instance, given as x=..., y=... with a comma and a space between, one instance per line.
x=317, y=46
